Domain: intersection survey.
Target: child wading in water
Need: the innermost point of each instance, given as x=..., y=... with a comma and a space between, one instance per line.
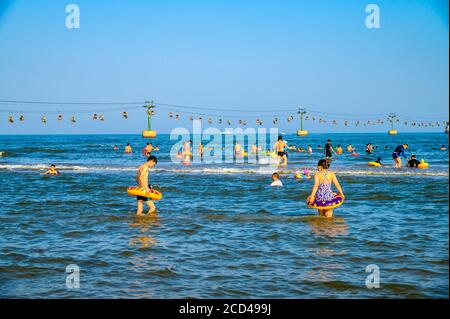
x=142, y=181
x=321, y=192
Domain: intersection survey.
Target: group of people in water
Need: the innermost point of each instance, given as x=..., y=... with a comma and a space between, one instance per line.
x=321, y=198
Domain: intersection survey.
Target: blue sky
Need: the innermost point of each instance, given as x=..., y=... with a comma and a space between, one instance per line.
x=252, y=55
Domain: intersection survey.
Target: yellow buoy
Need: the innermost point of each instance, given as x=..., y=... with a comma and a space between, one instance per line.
x=149, y=134
x=392, y=132
x=302, y=132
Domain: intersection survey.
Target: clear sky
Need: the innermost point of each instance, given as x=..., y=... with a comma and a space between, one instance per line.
x=224, y=54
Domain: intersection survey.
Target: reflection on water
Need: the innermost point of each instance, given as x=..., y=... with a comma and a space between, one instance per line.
x=144, y=224
x=328, y=227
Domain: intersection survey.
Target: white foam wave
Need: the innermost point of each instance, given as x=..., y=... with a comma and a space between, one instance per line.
x=262, y=170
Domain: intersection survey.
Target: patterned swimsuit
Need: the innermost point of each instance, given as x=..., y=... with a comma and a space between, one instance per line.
x=324, y=192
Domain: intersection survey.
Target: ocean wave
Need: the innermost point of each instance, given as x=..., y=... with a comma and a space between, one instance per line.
x=263, y=170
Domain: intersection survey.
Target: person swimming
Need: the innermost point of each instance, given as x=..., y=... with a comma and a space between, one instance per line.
x=186, y=152
x=378, y=160
x=307, y=173
x=413, y=162
x=276, y=180
x=369, y=148
x=148, y=149
x=142, y=181
x=200, y=150
x=350, y=148
x=339, y=150
x=322, y=192
x=399, y=151
x=52, y=170
x=115, y=148
x=310, y=149
x=237, y=150
x=128, y=149
x=286, y=149
x=443, y=148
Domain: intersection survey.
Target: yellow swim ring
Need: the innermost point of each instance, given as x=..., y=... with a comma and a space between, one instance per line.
x=335, y=202
x=374, y=164
x=139, y=191
x=422, y=164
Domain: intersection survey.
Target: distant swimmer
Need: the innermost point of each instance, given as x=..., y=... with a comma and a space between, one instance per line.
x=413, y=162
x=369, y=148
x=115, y=148
x=310, y=149
x=187, y=152
x=399, y=151
x=148, y=149
x=350, y=148
x=52, y=170
x=443, y=148
x=319, y=147
x=286, y=148
x=321, y=193
x=200, y=150
x=276, y=180
x=128, y=149
x=142, y=181
x=280, y=147
x=386, y=147
x=156, y=149
x=378, y=160
x=237, y=150
x=339, y=150
x=329, y=149
x=307, y=173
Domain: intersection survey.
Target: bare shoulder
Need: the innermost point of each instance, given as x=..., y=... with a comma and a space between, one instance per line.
x=142, y=168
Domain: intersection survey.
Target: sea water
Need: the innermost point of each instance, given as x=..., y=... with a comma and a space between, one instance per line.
x=221, y=231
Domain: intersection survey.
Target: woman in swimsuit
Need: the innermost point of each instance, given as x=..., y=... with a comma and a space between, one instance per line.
x=321, y=192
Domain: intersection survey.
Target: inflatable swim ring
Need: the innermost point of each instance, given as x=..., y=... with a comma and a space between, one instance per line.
x=422, y=164
x=374, y=164
x=322, y=205
x=138, y=191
